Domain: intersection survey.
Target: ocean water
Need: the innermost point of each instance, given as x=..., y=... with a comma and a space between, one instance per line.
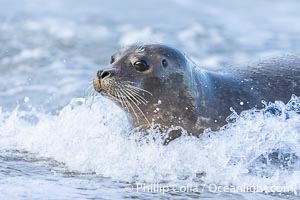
x=55, y=143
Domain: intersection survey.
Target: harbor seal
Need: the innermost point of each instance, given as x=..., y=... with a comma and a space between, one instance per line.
x=158, y=84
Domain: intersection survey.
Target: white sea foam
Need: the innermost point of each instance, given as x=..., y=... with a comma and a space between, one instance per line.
x=261, y=147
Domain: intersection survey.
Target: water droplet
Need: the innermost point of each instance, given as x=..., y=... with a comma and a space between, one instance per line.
x=26, y=99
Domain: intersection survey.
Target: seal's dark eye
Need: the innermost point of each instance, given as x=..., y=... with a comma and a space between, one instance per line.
x=112, y=60
x=141, y=66
x=164, y=63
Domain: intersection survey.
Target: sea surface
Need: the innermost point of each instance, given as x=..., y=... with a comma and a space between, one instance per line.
x=58, y=143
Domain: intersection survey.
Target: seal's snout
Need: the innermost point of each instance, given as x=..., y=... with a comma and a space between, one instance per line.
x=97, y=84
x=103, y=80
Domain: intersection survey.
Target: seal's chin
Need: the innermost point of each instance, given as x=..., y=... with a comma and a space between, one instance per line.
x=97, y=85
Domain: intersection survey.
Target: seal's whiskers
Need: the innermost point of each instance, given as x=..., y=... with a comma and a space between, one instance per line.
x=128, y=102
x=138, y=89
x=117, y=95
x=130, y=94
x=138, y=96
x=92, y=95
x=132, y=99
x=89, y=93
x=88, y=90
x=123, y=100
x=140, y=49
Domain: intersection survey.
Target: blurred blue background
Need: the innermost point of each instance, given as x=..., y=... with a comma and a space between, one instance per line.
x=51, y=49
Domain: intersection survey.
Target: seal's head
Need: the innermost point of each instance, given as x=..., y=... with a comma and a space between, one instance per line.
x=151, y=83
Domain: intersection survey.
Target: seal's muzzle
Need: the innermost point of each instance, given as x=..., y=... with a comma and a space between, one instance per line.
x=97, y=84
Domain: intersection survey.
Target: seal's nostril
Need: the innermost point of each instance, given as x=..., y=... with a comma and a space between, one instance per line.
x=104, y=74
x=99, y=73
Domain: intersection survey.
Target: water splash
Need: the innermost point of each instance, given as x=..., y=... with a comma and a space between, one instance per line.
x=257, y=147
